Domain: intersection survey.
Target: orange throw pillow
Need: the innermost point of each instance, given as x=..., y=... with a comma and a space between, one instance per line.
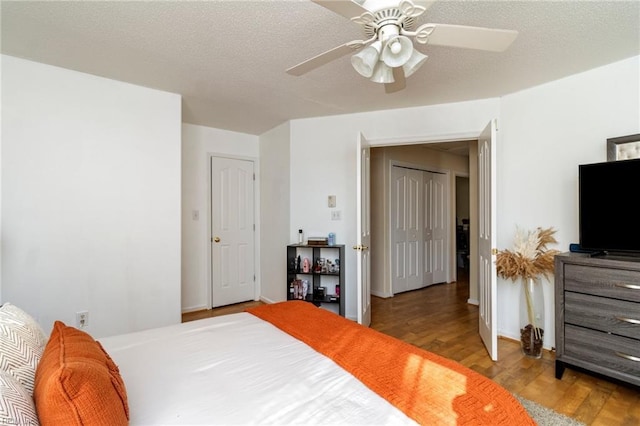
x=77, y=382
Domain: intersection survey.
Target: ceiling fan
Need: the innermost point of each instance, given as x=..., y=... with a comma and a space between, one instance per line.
x=388, y=55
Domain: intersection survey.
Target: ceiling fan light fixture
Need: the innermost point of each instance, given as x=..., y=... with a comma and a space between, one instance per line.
x=415, y=61
x=388, y=54
x=397, y=51
x=365, y=61
x=382, y=73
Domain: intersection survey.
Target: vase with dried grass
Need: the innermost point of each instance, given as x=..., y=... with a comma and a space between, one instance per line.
x=529, y=261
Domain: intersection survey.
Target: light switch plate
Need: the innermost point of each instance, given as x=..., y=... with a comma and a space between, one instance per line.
x=332, y=201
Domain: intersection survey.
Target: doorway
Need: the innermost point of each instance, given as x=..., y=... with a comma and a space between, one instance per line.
x=450, y=157
x=482, y=276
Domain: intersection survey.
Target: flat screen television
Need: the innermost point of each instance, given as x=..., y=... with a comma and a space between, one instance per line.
x=609, y=194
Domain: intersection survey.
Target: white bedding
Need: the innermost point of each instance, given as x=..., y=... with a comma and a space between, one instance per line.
x=238, y=369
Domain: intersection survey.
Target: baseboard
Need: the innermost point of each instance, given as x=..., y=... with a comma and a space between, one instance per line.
x=383, y=295
x=267, y=300
x=517, y=340
x=473, y=302
x=194, y=309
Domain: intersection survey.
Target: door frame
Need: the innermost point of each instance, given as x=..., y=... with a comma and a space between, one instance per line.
x=424, y=140
x=256, y=218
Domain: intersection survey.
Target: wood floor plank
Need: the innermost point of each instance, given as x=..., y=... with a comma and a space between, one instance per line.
x=591, y=406
x=617, y=409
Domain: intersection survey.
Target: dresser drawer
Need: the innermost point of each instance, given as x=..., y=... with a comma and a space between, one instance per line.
x=616, y=283
x=619, y=354
x=604, y=314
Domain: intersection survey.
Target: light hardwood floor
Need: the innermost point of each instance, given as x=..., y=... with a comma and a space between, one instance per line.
x=438, y=319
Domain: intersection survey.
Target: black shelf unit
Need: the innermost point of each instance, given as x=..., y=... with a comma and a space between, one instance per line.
x=331, y=279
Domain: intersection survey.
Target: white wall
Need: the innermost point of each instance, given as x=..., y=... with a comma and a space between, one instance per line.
x=90, y=199
x=274, y=214
x=199, y=143
x=323, y=162
x=547, y=131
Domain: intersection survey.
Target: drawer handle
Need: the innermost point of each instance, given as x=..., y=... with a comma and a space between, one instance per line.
x=629, y=357
x=629, y=320
x=629, y=286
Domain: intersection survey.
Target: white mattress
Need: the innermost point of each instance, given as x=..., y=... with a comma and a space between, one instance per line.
x=238, y=369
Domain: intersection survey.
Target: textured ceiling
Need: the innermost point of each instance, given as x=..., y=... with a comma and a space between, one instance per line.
x=228, y=58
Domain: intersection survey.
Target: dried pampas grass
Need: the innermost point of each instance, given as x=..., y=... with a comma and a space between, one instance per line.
x=530, y=257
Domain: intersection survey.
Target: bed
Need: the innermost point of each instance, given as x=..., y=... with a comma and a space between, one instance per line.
x=282, y=363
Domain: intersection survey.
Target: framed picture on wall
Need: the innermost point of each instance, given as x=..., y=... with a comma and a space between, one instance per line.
x=623, y=148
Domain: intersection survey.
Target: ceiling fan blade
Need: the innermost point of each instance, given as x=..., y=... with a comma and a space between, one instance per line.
x=399, y=81
x=346, y=8
x=491, y=39
x=325, y=57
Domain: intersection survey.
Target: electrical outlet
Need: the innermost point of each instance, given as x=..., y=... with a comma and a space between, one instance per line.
x=336, y=215
x=82, y=319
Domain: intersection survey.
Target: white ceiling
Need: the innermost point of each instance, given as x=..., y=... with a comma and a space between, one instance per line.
x=227, y=58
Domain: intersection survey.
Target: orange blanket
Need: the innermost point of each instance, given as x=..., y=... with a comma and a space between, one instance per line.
x=426, y=387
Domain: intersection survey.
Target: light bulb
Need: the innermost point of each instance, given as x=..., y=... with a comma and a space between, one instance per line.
x=397, y=51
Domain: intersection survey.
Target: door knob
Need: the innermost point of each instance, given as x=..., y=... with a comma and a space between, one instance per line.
x=360, y=247
x=216, y=239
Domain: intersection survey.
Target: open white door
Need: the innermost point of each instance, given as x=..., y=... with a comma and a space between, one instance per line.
x=363, y=238
x=487, y=240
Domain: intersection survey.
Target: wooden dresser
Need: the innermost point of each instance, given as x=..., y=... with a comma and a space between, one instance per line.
x=597, y=311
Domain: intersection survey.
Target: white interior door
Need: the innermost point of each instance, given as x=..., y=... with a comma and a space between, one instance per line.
x=435, y=233
x=232, y=231
x=419, y=228
x=399, y=229
x=363, y=231
x=439, y=229
x=415, y=218
x=428, y=212
x=406, y=228
x=487, y=240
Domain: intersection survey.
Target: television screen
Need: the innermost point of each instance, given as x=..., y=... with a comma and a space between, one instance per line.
x=608, y=206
